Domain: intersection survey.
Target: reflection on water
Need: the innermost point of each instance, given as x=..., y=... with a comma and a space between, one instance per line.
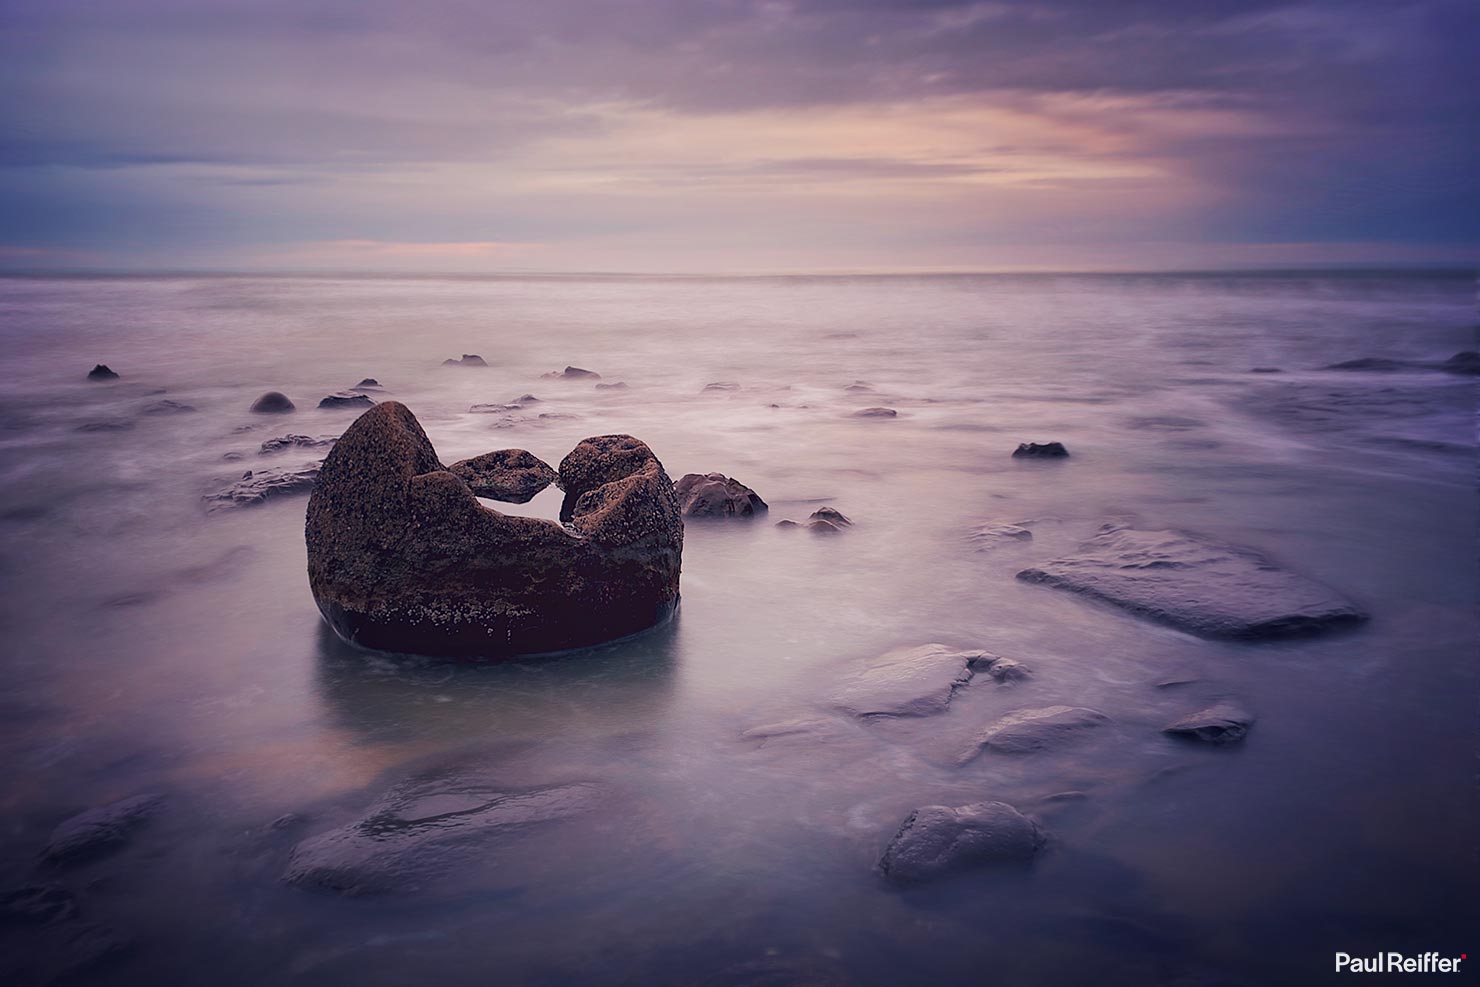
x=154, y=647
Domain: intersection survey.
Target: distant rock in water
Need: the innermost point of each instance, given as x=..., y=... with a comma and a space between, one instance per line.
x=273, y=402
x=1040, y=450
x=101, y=372
x=937, y=840
x=722, y=385
x=875, y=413
x=824, y=520
x=1030, y=730
x=368, y=382
x=168, y=407
x=1371, y=363
x=468, y=360
x=1221, y=723
x=107, y=425
x=403, y=557
x=345, y=399
x=620, y=385
x=422, y=829
x=256, y=486
x=716, y=495
x=1465, y=362
x=511, y=475
x=103, y=828
x=1197, y=585
x=1265, y=370
x=296, y=442
x=989, y=536
x=573, y=373
x=832, y=516
x=859, y=386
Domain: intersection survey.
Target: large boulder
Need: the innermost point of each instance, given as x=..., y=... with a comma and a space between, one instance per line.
x=940, y=840
x=1196, y=585
x=716, y=495
x=403, y=557
x=512, y=475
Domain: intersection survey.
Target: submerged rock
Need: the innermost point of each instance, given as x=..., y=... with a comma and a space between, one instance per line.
x=1222, y=723
x=1265, y=370
x=875, y=413
x=101, y=372
x=620, y=385
x=37, y=904
x=832, y=516
x=511, y=475
x=168, y=407
x=273, y=402
x=1030, y=730
x=296, y=442
x=1371, y=363
x=859, y=386
x=823, y=521
x=716, y=495
x=939, y=840
x=368, y=382
x=1002, y=669
x=107, y=425
x=403, y=557
x=419, y=830
x=255, y=486
x=573, y=373
x=989, y=536
x=100, y=829
x=722, y=385
x=1196, y=585
x=468, y=360
x=1465, y=362
x=1040, y=450
x=345, y=399
x=907, y=682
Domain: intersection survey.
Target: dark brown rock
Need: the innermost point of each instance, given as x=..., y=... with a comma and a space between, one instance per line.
x=273, y=402
x=403, y=557
x=875, y=413
x=468, y=360
x=101, y=372
x=345, y=399
x=1040, y=450
x=368, y=382
x=512, y=475
x=574, y=373
x=716, y=495
x=296, y=442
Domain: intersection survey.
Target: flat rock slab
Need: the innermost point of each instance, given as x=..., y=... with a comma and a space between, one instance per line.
x=1030, y=730
x=256, y=486
x=419, y=830
x=1197, y=585
x=938, y=840
x=100, y=829
x=1222, y=723
x=907, y=682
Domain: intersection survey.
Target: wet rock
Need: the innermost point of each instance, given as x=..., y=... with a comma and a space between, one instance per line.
x=1265, y=370
x=722, y=385
x=620, y=385
x=1030, y=730
x=100, y=829
x=573, y=373
x=109, y=425
x=823, y=521
x=344, y=399
x=789, y=728
x=296, y=442
x=1196, y=585
x=1465, y=362
x=832, y=516
x=907, y=682
x=273, y=402
x=468, y=360
x=101, y=372
x=232, y=457
x=1222, y=723
x=859, y=386
x=511, y=475
x=256, y=486
x=167, y=407
x=989, y=536
x=403, y=557
x=420, y=830
x=716, y=495
x=1040, y=450
x=875, y=413
x=368, y=382
x=938, y=840
x=999, y=668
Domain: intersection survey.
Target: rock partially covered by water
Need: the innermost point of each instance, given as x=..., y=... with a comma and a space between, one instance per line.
x=345, y=399
x=103, y=828
x=168, y=407
x=1040, y=450
x=468, y=360
x=907, y=682
x=1221, y=723
x=272, y=403
x=292, y=441
x=939, y=840
x=512, y=475
x=1029, y=730
x=620, y=385
x=875, y=413
x=574, y=373
x=101, y=372
x=989, y=536
x=823, y=521
x=1464, y=362
x=716, y=495
x=368, y=382
x=421, y=829
x=256, y=486
x=1197, y=585
x=403, y=557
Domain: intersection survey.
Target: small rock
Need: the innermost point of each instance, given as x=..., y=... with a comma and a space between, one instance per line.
x=787, y=728
x=110, y=425
x=1221, y=723
x=937, y=840
x=296, y=441
x=101, y=372
x=1030, y=730
x=620, y=385
x=167, y=407
x=1265, y=370
x=832, y=516
x=273, y=402
x=990, y=536
x=1465, y=362
x=100, y=829
x=907, y=682
x=345, y=399
x=875, y=413
x=722, y=385
x=510, y=475
x=232, y=457
x=1040, y=450
x=859, y=386
x=256, y=486
x=468, y=360
x=1000, y=668
x=716, y=495
x=368, y=382
x=574, y=373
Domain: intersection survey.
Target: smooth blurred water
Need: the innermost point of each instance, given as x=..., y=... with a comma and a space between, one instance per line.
x=151, y=645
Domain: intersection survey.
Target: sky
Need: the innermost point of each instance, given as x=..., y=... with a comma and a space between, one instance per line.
x=728, y=136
